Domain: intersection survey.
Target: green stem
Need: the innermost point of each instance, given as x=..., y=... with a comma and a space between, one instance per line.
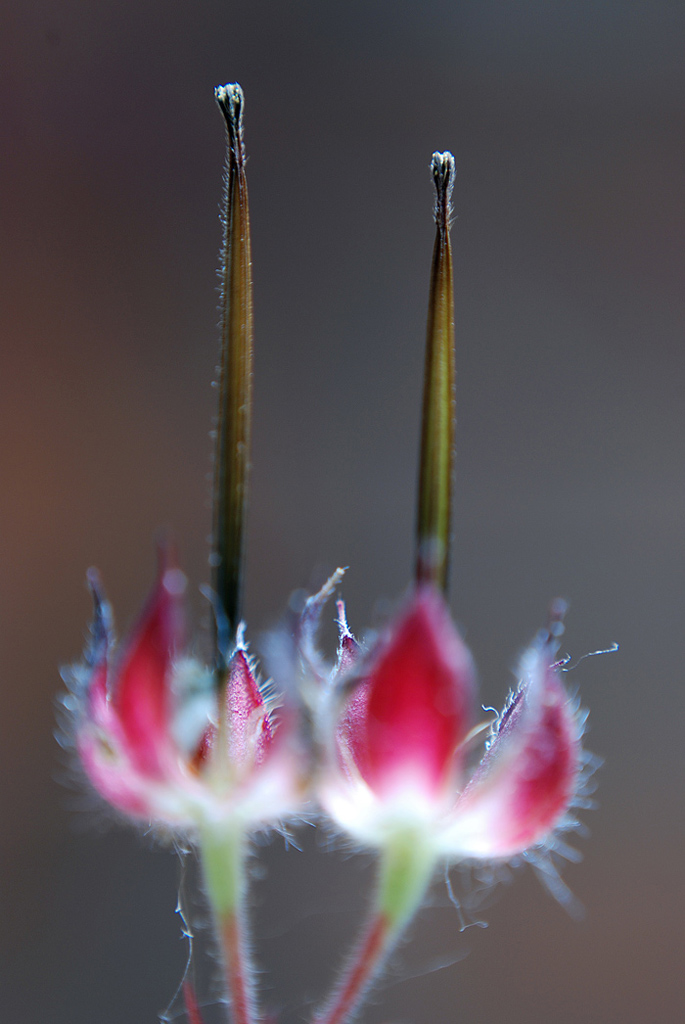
x=405, y=872
x=232, y=460
x=434, y=512
x=223, y=861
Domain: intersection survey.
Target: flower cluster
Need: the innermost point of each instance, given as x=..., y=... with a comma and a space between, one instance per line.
x=392, y=730
x=210, y=753
x=394, y=727
x=160, y=743
x=397, y=723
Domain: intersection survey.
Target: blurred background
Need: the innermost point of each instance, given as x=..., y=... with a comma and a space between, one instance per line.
x=566, y=120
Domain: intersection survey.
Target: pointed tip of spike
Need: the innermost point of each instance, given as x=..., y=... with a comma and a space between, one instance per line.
x=555, y=618
x=231, y=101
x=94, y=582
x=101, y=625
x=443, y=170
x=169, y=574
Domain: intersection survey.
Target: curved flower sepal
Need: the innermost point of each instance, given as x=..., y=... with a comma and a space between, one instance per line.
x=397, y=733
x=292, y=652
x=159, y=743
x=529, y=775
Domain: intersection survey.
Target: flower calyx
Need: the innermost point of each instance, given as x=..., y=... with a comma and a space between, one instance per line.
x=158, y=741
x=396, y=731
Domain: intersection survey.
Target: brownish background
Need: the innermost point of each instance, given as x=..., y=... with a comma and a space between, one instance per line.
x=566, y=120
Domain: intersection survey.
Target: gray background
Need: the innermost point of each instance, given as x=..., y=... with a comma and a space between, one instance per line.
x=566, y=120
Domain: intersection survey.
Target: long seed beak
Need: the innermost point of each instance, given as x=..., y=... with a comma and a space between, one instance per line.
x=232, y=465
x=433, y=524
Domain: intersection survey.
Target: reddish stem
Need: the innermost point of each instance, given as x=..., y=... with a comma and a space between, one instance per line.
x=365, y=964
x=192, y=1009
x=237, y=969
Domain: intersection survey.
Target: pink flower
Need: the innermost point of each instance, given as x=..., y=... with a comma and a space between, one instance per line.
x=158, y=740
x=396, y=726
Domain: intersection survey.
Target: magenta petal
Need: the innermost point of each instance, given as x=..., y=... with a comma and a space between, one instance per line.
x=405, y=721
x=528, y=777
x=142, y=697
x=352, y=745
x=247, y=721
x=100, y=741
x=113, y=779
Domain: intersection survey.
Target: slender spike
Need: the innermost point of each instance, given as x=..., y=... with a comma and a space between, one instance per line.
x=437, y=432
x=232, y=461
